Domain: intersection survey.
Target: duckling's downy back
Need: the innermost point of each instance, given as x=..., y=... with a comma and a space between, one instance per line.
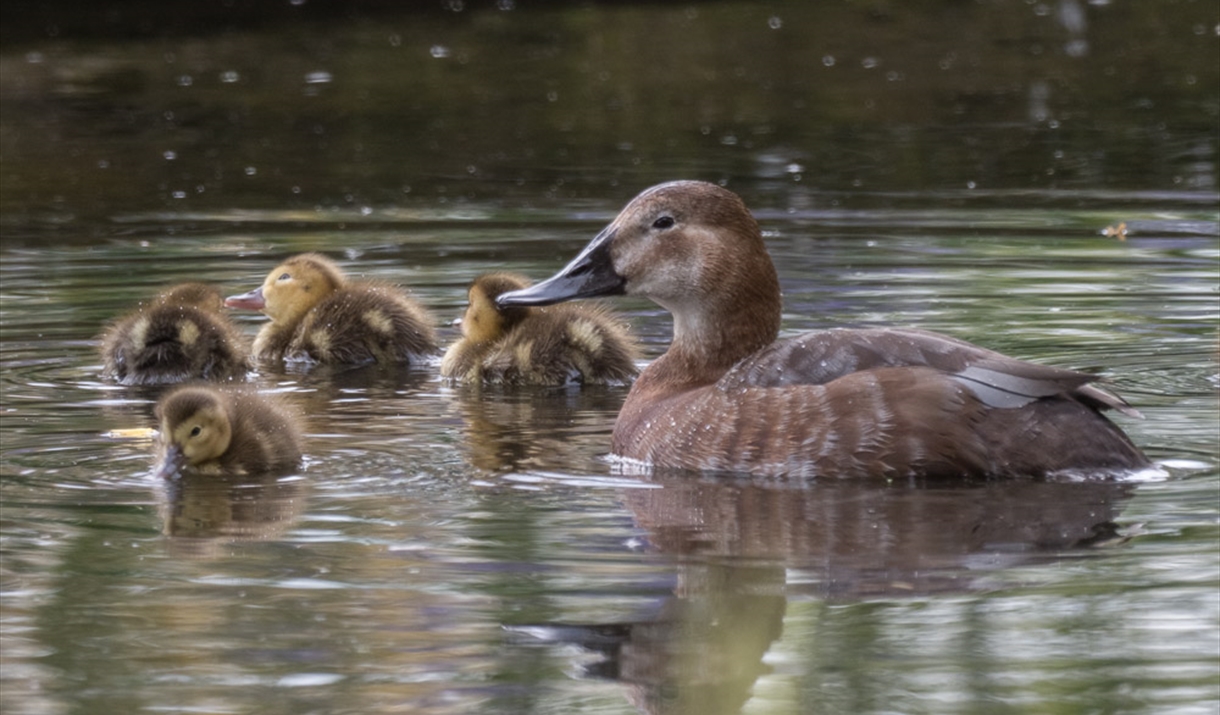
x=559, y=345
x=182, y=334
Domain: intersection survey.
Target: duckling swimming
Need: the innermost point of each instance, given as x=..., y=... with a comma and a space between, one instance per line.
x=318, y=316
x=182, y=334
x=729, y=396
x=559, y=345
x=214, y=430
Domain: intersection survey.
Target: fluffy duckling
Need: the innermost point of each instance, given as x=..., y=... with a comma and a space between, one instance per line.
x=182, y=334
x=224, y=431
x=892, y=402
x=318, y=316
x=537, y=346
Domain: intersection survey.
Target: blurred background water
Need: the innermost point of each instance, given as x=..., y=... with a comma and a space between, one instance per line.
x=1037, y=177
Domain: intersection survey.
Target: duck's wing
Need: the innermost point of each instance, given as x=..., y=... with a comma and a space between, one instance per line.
x=995, y=379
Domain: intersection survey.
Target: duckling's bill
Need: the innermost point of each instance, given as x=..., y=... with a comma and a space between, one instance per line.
x=252, y=300
x=171, y=464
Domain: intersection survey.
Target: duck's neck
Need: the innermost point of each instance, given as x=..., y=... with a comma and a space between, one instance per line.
x=714, y=332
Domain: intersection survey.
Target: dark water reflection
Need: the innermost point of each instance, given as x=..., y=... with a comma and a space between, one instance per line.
x=745, y=549
x=450, y=549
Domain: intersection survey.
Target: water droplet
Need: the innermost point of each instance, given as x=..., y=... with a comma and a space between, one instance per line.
x=251, y=171
x=828, y=60
x=230, y=76
x=170, y=155
x=775, y=22
x=319, y=77
x=439, y=51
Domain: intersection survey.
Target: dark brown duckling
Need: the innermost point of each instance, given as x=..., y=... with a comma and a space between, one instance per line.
x=559, y=345
x=729, y=396
x=182, y=334
x=318, y=316
x=214, y=430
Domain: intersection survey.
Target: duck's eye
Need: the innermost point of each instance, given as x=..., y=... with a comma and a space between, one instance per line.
x=196, y=430
x=663, y=222
x=285, y=276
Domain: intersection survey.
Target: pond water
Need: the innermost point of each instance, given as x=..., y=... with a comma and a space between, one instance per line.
x=455, y=550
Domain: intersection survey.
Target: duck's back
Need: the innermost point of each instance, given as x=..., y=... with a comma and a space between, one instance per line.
x=560, y=345
x=363, y=323
x=878, y=402
x=166, y=343
x=265, y=437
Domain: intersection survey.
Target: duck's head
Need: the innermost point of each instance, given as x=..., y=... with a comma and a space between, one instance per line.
x=292, y=288
x=484, y=321
x=194, y=295
x=691, y=247
x=195, y=428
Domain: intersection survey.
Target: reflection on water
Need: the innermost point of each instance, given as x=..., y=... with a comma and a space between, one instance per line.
x=507, y=429
x=951, y=166
x=745, y=548
x=199, y=510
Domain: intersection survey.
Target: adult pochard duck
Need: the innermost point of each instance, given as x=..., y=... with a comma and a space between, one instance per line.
x=728, y=396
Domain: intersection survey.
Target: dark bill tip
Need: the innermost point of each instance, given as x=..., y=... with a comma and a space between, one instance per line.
x=589, y=275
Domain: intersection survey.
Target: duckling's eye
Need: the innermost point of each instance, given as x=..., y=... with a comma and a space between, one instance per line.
x=663, y=222
x=285, y=276
x=196, y=430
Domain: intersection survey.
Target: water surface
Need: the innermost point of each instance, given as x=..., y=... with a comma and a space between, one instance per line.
x=454, y=550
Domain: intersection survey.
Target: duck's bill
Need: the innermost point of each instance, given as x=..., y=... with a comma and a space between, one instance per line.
x=589, y=275
x=171, y=463
x=247, y=301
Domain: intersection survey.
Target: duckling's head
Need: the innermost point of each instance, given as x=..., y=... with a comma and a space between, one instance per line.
x=293, y=288
x=195, y=428
x=483, y=322
x=194, y=295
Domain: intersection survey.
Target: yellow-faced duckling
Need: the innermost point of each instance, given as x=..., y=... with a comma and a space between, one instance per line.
x=215, y=430
x=182, y=334
x=559, y=345
x=318, y=316
x=727, y=395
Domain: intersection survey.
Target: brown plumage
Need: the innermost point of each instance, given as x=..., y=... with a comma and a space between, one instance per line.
x=181, y=334
x=318, y=316
x=558, y=345
x=215, y=430
x=887, y=402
